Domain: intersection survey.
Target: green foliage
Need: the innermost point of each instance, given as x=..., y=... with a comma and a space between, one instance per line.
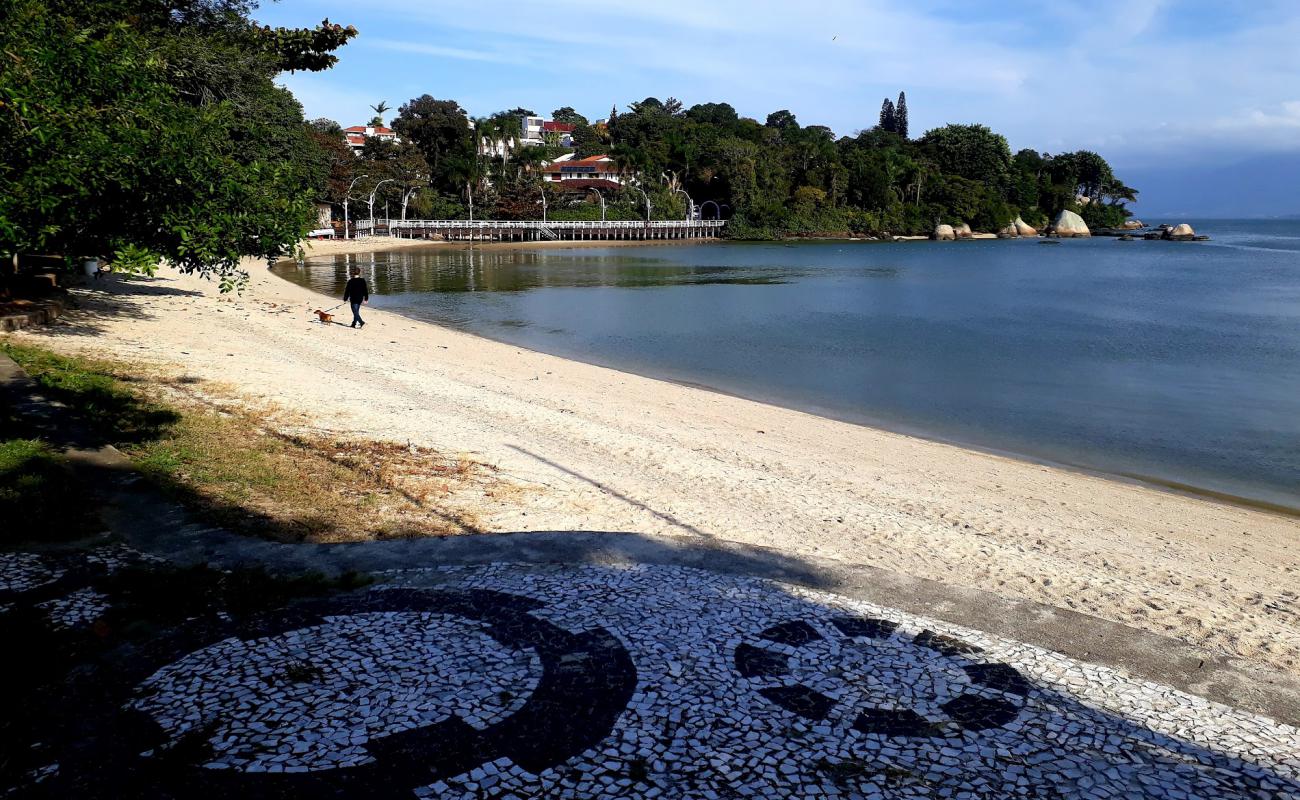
x=776, y=178
x=440, y=129
x=900, y=115
x=149, y=131
x=970, y=151
x=568, y=116
x=39, y=497
x=112, y=411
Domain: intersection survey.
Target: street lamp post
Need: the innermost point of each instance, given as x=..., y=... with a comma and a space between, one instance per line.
x=671, y=183
x=371, y=201
x=647, y=202
x=347, y=230
x=601, y=198
x=690, y=204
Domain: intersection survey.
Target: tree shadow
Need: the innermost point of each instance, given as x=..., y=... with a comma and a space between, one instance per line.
x=742, y=687
x=114, y=297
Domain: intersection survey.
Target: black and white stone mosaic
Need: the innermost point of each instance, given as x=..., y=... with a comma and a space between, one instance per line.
x=22, y=572
x=77, y=608
x=584, y=681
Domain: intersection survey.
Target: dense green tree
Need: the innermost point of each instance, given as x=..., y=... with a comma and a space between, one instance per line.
x=148, y=130
x=568, y=116
x=782, y=120
x=772, y=178
x=970, y=151
x=888, y=116
x=587, y=142
x=440, y=129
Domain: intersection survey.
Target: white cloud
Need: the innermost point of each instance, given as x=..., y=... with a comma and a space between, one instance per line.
x=1142, y=78
x=444, y=52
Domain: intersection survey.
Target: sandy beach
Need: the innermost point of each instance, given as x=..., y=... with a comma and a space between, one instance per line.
x=611, y=451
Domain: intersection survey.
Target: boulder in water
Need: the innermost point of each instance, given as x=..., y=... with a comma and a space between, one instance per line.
x=1133, y=225
x=943, y=233
x=1180, y=233
x=1069, y=225
x=1023, y=228
x=963, y=231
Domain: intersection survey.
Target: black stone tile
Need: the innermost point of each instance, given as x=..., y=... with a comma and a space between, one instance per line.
x=753, y=662
x=800, y=700
x=795, y=633
x=864, y=627
x=998, y=676
x=946, y=645
x=980, y=713
x=894, y=722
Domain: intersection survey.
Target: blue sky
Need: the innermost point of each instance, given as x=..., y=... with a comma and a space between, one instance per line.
x=1175, y=83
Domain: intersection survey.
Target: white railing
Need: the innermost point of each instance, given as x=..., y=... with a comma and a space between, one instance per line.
x=487, y=224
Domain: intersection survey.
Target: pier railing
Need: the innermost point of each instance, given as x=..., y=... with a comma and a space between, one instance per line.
x=536, y=230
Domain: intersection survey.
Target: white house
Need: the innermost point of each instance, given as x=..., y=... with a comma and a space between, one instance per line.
x=599, y=169
x=356, y=135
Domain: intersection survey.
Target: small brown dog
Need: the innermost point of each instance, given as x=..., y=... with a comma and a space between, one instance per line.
x=325, y=317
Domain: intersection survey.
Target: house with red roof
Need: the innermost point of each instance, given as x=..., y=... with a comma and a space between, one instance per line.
x=536, y=130
x=356, y=135
x=599, y=172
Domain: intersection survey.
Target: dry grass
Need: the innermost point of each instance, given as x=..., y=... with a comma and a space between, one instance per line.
x=243, y=470
x=258, y=469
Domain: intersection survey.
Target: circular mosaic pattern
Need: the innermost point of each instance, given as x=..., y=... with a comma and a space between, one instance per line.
x=860, y=672
x=381, y=693
x=552, y=681
x=315, y=697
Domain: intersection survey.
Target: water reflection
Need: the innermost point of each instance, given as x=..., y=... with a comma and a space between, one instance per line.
x=1171, y=360
x=501, y=270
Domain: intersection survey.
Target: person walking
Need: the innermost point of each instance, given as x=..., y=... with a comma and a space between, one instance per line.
x=356, y=292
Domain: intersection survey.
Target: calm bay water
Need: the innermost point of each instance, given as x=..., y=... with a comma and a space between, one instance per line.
x=1178, y=362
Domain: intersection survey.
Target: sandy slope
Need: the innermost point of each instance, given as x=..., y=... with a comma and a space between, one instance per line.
x=614, y=451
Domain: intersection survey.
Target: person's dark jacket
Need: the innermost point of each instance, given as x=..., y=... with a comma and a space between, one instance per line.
x=356, y=290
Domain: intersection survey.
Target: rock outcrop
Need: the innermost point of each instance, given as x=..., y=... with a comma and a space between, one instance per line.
x=1009, y=232
x=943, y=233
x=1023, y=228
x=1180, y=233
x=963, y=231
x=1133, y=224
x=1069, y=225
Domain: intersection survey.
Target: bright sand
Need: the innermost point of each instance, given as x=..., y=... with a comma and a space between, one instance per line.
x=610, y=451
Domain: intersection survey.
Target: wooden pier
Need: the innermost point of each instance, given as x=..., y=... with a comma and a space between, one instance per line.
x=535, y=231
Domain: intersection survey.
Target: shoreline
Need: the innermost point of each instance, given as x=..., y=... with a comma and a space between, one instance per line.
x=1144, y=480
x=600, y=450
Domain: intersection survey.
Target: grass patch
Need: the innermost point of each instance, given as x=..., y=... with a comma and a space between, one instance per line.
x=248, y=477
x=39, y=497
x=239, y=470
x=98, y=391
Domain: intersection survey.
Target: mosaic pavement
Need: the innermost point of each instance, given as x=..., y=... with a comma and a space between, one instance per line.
x=514, y=681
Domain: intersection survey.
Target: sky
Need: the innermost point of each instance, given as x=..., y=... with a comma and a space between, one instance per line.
x=1165, y=89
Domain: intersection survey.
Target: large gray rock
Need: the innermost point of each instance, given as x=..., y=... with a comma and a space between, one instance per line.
x=1009, y=231
x=1180, y=233
x=1023, y=228
x=1069, y=225
x=1133, y=225
x=943, y=233
x=963, y=231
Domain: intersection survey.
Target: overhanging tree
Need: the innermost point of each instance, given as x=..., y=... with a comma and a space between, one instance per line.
x=144, y=130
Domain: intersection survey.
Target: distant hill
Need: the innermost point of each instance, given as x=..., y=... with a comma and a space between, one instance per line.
x=1262, y=186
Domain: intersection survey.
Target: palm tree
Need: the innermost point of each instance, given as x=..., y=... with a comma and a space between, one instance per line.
x=380, y=108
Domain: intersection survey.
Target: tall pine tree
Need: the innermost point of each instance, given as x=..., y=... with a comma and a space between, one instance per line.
x=887, y=120
x=900, y=115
